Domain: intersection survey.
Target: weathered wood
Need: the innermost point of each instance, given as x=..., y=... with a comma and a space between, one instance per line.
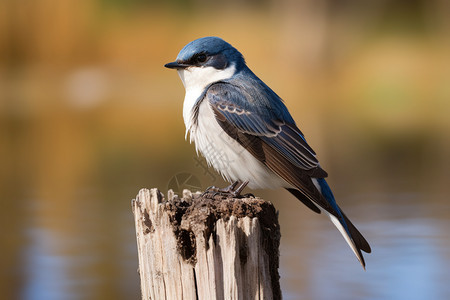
x=198, y=247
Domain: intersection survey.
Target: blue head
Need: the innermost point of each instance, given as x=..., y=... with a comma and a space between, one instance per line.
x=208, y=51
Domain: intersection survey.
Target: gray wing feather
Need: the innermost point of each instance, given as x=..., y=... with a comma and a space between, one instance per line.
x=269, y=120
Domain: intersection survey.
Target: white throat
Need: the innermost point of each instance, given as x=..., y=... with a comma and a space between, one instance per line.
x=195, y=80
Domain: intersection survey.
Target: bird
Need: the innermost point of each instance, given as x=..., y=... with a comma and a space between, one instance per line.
x=246, y=133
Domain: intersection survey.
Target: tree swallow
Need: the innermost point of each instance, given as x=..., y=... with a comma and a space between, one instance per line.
x=247, y=134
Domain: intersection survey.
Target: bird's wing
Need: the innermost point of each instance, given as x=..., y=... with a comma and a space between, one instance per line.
x=267, y=131
x=264, y=131
x=264, y=121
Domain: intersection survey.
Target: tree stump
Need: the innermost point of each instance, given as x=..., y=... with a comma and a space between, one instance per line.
x=205, y=247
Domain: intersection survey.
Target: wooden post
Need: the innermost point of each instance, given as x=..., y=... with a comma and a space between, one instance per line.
x=198, y=247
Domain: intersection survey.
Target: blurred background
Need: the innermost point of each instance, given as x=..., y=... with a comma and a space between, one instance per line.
x=88, y=116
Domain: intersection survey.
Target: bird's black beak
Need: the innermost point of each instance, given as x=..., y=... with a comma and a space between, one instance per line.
x=176, y=65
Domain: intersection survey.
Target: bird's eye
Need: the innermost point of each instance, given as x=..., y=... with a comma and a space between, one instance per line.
x=201, y=58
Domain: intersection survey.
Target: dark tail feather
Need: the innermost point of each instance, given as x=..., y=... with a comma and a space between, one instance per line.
x=357, y=237
x=360, y=243
x=299, y=195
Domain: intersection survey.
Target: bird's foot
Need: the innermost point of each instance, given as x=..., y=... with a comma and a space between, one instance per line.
x=234, y=190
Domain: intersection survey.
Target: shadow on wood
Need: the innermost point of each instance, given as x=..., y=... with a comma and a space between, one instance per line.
x=198, y=247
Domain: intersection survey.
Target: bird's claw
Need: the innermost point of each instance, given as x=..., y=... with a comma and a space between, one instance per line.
x=234, y=190
x=209, y=190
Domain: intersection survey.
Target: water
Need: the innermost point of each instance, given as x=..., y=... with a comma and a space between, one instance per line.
x=409, y=260
x=88, y=251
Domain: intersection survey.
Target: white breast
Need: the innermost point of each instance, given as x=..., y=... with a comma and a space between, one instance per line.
x=195, y=80
x=222, y=152
x=227, y=156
